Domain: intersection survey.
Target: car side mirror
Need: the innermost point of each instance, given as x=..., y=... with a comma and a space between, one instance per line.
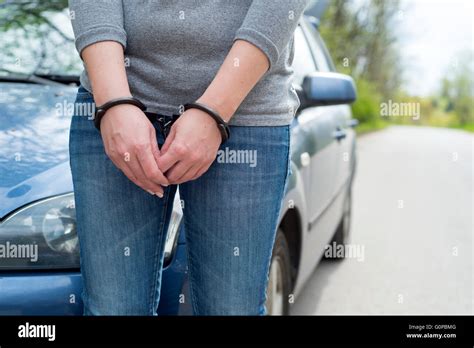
x=326, y=88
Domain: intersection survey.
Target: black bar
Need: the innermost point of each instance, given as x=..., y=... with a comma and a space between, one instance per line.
x=258, y=330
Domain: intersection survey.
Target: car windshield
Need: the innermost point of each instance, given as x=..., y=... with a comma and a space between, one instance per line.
x=36, y=38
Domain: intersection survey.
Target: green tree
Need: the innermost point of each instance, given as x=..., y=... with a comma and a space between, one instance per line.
x=362, y=42
x=457, y=88
x=30, y=33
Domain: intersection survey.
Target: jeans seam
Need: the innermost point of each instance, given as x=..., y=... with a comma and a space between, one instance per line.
x=288, y=161
x=191, y=281
x=157, y=260
x=282, y=196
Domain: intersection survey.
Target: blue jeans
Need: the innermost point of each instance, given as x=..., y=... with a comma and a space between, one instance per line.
x=230, y=216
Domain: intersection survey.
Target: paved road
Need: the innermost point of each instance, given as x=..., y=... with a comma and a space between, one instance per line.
x=413, y=202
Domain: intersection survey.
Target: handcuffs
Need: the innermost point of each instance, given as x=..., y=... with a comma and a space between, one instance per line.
x=164, y=122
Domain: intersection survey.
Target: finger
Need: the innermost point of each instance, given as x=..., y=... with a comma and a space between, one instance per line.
x=201, y=171
x=121, y=159
x=129, y=174
x=118, y=162
x=187, y=173
x=168, y=141
x=136, y=169
x=150, y=167
x=173, y=155
x=124, y=168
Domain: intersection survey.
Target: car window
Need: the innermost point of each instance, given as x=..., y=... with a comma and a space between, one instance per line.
x=321, y=54
x=303, y=62
x=321, y=61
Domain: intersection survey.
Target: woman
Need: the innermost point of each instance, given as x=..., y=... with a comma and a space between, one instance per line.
x=230, y=60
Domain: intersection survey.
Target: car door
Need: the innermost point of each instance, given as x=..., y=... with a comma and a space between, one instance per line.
x=342, y=116
x=320, y=150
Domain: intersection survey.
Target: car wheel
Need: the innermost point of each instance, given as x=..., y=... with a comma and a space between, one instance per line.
x=342, y=235
x=279, y=281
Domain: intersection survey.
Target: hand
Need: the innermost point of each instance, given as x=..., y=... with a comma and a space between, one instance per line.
x=190, y=147
x=130, y=142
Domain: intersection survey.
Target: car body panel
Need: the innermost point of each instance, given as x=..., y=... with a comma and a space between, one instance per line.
x=59, y=293
x=34, y=137
x=319, y=190
x=40, y=293
x=319, y=208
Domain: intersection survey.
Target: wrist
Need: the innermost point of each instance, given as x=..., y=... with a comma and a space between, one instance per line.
x=224, y=109
x=102, y=98
x=101, y=110
x=125, y=108
x=221, y=125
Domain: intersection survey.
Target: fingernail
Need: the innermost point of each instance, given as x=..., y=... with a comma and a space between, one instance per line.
x=150, y=192
x=165, y=185
x=159, y=194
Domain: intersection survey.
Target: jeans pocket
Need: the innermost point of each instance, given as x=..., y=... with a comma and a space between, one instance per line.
x=84, y=105
x=82, y=91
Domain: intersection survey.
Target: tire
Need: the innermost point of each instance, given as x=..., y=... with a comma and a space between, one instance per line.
x=279, y=282
x=342, y=235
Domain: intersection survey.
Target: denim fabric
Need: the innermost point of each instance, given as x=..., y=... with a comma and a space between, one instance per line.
x=230, y=216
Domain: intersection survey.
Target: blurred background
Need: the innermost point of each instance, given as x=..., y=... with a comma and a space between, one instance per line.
x=412, y=61
x=417, y=51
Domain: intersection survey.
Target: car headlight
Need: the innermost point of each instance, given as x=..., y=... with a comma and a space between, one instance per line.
x=42, y=235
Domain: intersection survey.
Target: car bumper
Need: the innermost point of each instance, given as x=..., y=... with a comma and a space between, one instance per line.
x=59, y=293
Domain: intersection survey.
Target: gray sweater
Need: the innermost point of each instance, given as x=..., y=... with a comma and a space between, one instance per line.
x=174, y=48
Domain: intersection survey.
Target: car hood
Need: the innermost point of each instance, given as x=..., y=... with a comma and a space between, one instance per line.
x=34, y=135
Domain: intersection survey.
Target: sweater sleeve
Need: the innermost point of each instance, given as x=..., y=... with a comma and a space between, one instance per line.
x=97, y=20
x=270, y=25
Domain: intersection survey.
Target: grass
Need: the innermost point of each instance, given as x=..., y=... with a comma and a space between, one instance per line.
x=368, y=127
x=467, y=127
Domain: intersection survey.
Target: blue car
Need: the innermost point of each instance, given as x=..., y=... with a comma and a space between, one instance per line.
x=39, y=254
x=39, y=273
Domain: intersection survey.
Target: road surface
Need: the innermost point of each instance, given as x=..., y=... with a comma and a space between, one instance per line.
x=412, y=213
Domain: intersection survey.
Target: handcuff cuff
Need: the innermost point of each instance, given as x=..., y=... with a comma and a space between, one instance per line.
x=164, y=124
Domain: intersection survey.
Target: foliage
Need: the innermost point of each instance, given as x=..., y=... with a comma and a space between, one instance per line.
x=367, y=107
x=457, y=89
x=18, y=14
x=31, y=33
x=361, y=38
